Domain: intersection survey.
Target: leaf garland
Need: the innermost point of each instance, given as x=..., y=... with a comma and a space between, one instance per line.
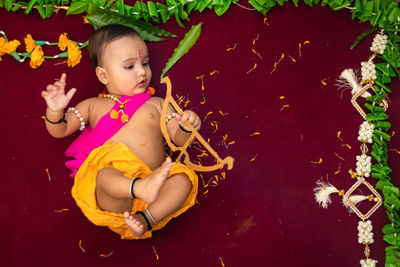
x=384, y=14
x=184, y=46
x=101, y=17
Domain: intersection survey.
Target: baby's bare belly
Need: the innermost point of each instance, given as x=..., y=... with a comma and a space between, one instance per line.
x=146, y=142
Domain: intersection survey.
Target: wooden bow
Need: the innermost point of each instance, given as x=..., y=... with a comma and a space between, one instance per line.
x=220, y=162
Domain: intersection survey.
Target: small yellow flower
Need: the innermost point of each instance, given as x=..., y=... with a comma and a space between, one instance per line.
x=63, y=41
x=10, y=47
x=29, y=43
x=36, y=57
x=74, y=54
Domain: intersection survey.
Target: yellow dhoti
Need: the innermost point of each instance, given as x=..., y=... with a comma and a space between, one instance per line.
x=119, y=156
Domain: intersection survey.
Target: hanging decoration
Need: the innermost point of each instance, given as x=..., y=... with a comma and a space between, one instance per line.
x=373, y=86
x=370, y=130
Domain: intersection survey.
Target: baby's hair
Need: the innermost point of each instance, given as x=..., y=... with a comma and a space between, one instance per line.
x=103, y=36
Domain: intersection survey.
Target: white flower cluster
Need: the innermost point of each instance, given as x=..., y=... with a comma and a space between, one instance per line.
x=365, y=234
x=366, y=132
x=368, y=263
x=379, y=43
x=368, y=71
x=363, y=164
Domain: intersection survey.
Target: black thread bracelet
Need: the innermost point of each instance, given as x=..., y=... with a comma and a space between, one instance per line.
x=57, y=122
x=183, y=129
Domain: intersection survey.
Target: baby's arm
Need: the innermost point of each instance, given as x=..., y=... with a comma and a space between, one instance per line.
x=177, y=128
x=58, y=123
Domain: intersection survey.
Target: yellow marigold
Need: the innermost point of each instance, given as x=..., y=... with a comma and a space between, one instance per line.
x=29, y=43
x=74, y=54
x=36, y=57
x=11, y=46
x=2, y=42
x=63, y=41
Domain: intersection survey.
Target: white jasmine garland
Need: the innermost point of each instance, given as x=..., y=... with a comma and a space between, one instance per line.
x=379, y=43
x=366, y=132
x=363, y=165
x=368, y=263
x=368, y=71
x=365, y=235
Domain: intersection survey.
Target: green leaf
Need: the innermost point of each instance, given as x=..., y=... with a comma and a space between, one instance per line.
x=49, y=10
x=385, y=125
x=184, y=46
x=16, y=7
x=386, y=69
x=382, y=134
x=221, y=9
x=379, y=117
x=120, y=7
x=296, y=2
x=40, y=9
x=30, y=6
x=394, y=14
x=363, y=36
x=165, y=15
x=9, y=4
x=77, y=7
x=154, y=15
x=101, y=17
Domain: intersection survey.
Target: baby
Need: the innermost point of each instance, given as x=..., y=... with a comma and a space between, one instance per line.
x=123, y=179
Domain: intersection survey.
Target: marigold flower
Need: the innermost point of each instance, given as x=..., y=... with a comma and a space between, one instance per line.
x=29, y=43
x=63, y=41
x=36, y=57
x=2, y=42
x=74, y=54
x=10, y=47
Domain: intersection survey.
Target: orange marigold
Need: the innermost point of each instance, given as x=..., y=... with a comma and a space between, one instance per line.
x=2, y=42
x=63, y=41
x=10, y=47
x=29, y=43
x=74, y=54
x=36, y=57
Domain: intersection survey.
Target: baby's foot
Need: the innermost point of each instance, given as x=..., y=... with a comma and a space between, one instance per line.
x=135, y=224
x=147, y=189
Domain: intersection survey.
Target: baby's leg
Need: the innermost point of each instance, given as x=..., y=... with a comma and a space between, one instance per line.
x=113, y=188
x=173, y=195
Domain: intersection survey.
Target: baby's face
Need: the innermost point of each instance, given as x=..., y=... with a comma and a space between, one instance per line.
x=126, y=61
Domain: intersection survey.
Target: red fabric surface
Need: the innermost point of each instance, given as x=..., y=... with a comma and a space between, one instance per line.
x=264, y=213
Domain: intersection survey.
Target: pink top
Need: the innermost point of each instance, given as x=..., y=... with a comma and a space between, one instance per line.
x=105, y=128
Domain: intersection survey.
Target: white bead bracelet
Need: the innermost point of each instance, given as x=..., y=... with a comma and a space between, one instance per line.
x=79, y=116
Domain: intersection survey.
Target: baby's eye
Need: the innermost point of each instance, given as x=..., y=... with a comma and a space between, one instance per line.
x=129, y=67
x=145, y=63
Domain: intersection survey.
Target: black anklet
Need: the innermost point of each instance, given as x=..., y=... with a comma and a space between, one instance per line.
x=131, y=187
x=145, y=218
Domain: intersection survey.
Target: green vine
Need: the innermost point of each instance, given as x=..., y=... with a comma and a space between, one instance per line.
x=381, y=14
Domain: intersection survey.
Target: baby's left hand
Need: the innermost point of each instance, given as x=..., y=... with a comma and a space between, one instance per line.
x=191, y=117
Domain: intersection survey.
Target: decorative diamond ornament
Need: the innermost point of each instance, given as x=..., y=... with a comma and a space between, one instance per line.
x=354, y=208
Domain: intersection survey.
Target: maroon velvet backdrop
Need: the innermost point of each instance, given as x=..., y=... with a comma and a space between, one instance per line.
x=264, y=213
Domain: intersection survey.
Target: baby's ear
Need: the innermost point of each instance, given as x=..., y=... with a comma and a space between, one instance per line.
x=102, y=75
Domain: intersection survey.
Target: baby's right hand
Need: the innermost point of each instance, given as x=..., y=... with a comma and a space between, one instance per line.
x=55, y=96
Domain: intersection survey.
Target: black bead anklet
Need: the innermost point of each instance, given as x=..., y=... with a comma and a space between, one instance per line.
x=131, y=187
x=145, y=218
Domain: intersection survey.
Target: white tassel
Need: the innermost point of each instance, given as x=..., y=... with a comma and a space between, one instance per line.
x=355, y=199
x=322, y=193
x=352, y=81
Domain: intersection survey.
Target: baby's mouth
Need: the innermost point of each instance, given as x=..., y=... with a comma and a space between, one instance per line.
x=142, y=83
